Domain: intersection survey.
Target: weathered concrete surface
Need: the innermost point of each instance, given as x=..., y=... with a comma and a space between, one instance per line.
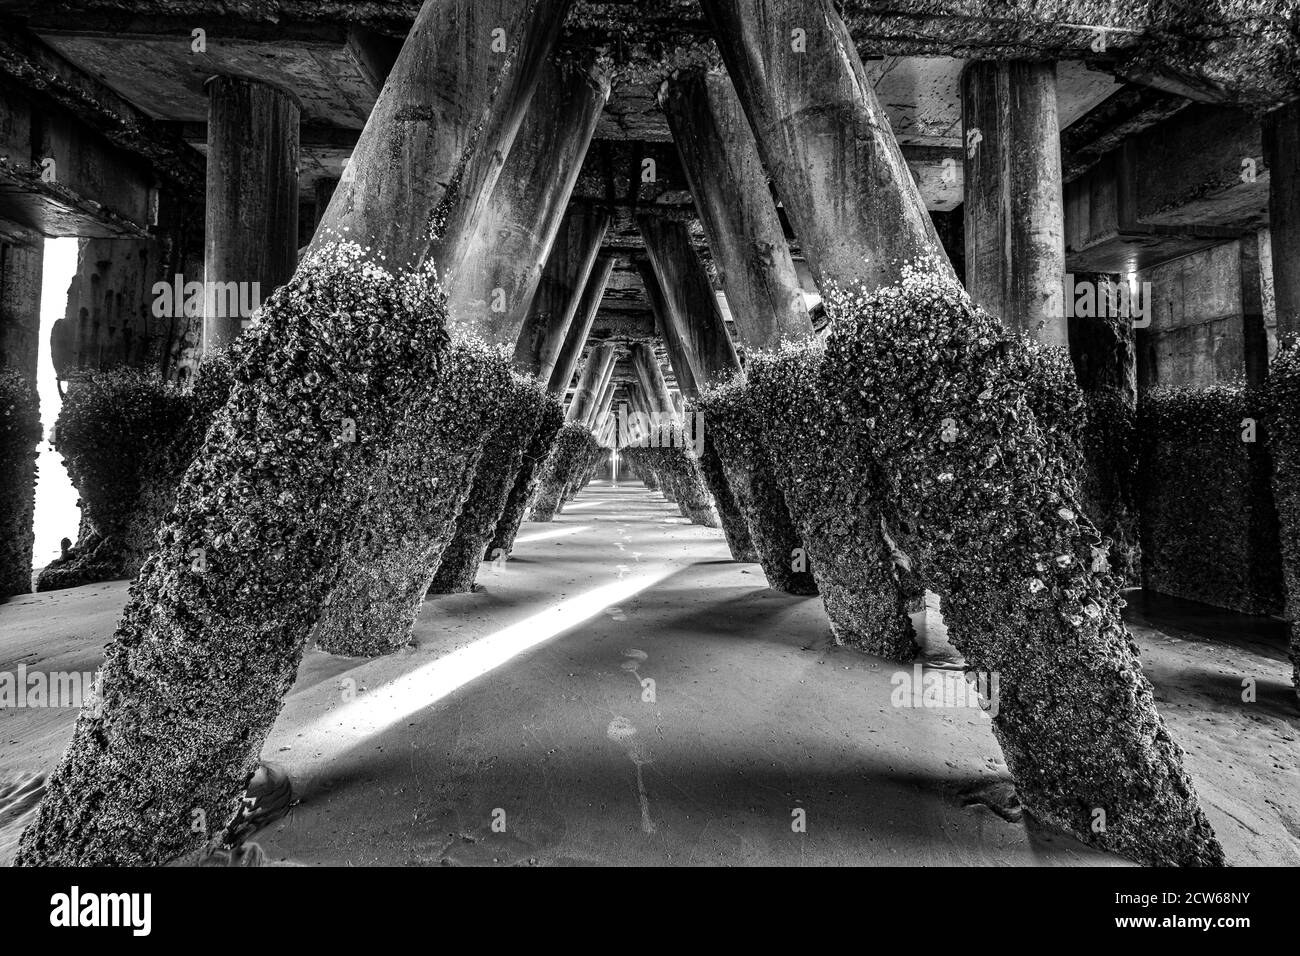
x=21, y=271
x=824, y=138
x=591, y=385
x=412, y=163
x=691, y=318
x=251, y=230
x=730, y=189
x=1015, y=227
x=575, y=339
x=1283, y=153
x=491, y=288
x=568, y=267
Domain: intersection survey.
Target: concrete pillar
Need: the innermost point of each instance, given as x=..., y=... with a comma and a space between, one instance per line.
x=569, y=266
x=654, y=389
x=1282, y=156
x=691, y=306
x=576, y=337
x=520, y=82
x=251, y=212
x=492, y=286
x=1014, y=212
x=859, y=216
x=601, y=420
x=440, y=105
x=589, y=392
x=729, y=185
x=669, y=328
x=21, y=272
x=824, y=138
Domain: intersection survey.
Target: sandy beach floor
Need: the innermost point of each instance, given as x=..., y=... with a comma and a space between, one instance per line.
x=621, y=692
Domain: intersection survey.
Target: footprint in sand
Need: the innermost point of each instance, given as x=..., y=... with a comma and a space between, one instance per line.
x=635, y=659
x=616, y=613
x=621, y=731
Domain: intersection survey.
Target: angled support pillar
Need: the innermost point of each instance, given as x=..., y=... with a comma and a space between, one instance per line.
x=730, y=189
x=594, y=375
x=576, y=337
x=215, y=626
x=569, y=266
x=413, y=171
x=860, y=219
x=1014, y=210
x=491, y=288
x=251, y=214
x=701, y=354
x=688, y=302
x=824, y=139
x=600, y=420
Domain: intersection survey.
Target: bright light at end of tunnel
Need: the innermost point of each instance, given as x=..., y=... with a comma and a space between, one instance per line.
x=554, y=533
x=377, y=710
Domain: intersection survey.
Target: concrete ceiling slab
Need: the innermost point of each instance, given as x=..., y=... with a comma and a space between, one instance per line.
x=164, y=77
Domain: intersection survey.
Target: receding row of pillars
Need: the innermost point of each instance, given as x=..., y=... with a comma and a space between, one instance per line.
x=522, y=265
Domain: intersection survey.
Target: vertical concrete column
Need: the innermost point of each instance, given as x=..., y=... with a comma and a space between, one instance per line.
x=411, y=173
x=824, y=138
x=21, y=273
x=491, y=288
x=576, y=337
x=731, y=192
x=690, y=306
x=251, y=212
x=569, y=266
x=1014, y=212
x=1282, y=154
x=590, y=385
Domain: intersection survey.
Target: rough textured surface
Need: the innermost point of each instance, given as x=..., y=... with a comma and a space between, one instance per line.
x=520, y=402
x=1283, y=399
x=127, y=438
x=1209, y=528
x=678, y=471
x=836, y=506
x=531, y=470
x=20, y=431
x=413, y=500
x=991, y=522
x=568, y=460
x=734, y=430
x=215, y=626
x=734, y=527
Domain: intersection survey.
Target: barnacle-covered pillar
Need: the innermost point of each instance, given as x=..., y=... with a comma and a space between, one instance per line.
x=1015, y=220
x=491, y=287
x=250, y=243
x=729, y=186
x=568, y=267
x=1004, y=545
x=329, y=389
x=700, y=351
x=671, y=446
